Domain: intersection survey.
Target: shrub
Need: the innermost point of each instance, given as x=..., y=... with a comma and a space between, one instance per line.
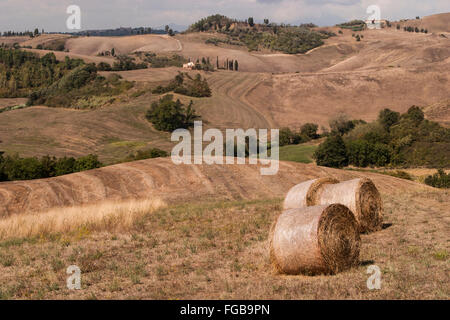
x=332, y=152
x=162, y=61
x=438, y=180
x=184, y=84
x=125, y=63
x=400, y=174
x=147, y=154
x=103, y=66
x=169, y=115
x=87, y=163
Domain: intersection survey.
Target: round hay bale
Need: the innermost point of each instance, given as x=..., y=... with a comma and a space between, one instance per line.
x=315, y=240
x=305, y=193
x=360, y=196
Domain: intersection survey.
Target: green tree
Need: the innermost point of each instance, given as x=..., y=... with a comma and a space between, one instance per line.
x=388, y=118
x=169, y=115
x=341, y=124
x=251, y=22
x=65, y=166
x=415, y=114
x=286, y=136
x=309, y=130
x=87, y=163
x=332, y=152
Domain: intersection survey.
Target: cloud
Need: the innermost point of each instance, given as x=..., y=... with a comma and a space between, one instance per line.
x=51, y=14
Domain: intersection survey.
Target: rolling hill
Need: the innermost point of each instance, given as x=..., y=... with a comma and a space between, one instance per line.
x=389, y=68
x=161, y=178
x=208, y=237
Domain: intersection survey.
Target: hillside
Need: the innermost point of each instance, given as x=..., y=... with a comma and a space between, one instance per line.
x=151, y=229
x=434, y=23
x=387, y=68
x=91, y=46
x=160, y=178
x=211, y=210
x=439, y=112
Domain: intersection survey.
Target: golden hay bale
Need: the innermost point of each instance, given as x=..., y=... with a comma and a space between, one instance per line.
x=305, y=193
x=315, y=240
x=359, y=195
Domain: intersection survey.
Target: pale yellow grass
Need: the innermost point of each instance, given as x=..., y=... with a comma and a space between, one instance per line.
x=105, y=216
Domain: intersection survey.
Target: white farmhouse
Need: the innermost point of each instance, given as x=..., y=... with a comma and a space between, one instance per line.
x=189, y=65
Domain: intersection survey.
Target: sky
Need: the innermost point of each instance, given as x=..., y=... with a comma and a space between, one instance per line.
x=51, y=15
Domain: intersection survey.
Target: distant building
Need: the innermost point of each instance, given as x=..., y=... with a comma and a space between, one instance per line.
x=189, y=65
x=375, y=24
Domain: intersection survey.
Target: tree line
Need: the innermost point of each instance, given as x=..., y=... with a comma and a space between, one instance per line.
x=13, y=167
x=279, y=37
x=28, y=33
x=22, y=72
x=394, y=139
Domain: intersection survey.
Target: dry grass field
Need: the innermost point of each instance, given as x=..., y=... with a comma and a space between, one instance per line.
x=161, y=178
x=112, y=133
x=91, y=46
x=215, y=249
x=154, y=230
x=11, y=102
x=434, y=23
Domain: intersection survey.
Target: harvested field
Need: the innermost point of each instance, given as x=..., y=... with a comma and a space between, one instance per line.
x=91, y=46
x=219, y=250
x=174, y=183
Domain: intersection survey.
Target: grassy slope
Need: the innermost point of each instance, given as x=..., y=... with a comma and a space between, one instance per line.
x=110, y=132
x=298, y=153
x=218, y=250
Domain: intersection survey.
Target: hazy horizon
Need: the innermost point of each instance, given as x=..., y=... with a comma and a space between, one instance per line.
x=19, y=15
